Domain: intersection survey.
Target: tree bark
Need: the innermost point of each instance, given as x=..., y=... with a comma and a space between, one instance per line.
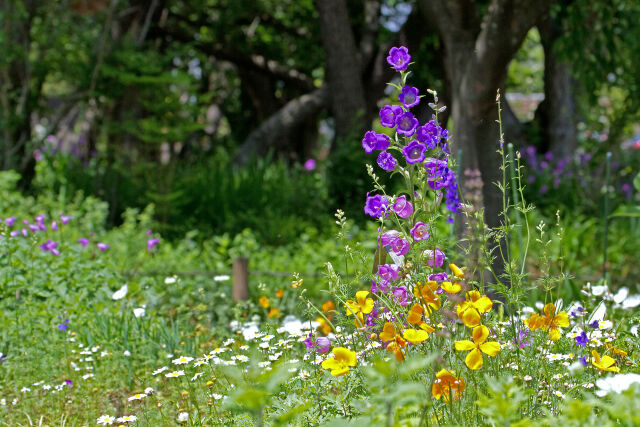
x=558, y=110
x=343, y=68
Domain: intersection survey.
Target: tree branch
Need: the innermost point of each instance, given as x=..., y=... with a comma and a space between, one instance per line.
x=253, y=62
x=290, y=115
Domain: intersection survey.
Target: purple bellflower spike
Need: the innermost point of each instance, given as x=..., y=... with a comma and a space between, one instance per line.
x=420, y=231
x=389, y=114
x=414, y=152
x=386, y=161
x=399, y=58
x=376, y=205
x=402, y=207
x=406, y=124
x=409, y=97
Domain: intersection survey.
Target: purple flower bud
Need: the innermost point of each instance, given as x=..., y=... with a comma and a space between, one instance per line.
x=40, y=218
x=25, y=232
x=83, y=241
x=14, y=233
x=9, y=221
x=399, y=58
x=34, y=228
x=409, y=96
x=54, y=225
x=65, y=219
x=439, y=277
x=68, y=383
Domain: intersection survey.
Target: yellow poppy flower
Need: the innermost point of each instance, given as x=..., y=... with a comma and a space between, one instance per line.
x=415, y=315
x=324, y=326
x=362, y=304
x=478, y=346
x=328, y=306
x=274, y=312
x=340, y=362
x=452, y=288
x=470, y=310
x=427, y=294
x=551, y=321
x=415, y=337
x=457, y=271
x=605, y=363
x=447, y=384
x=264, y=302
x=396, y=342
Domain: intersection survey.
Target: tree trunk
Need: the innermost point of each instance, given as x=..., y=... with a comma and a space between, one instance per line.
x=477, y=53
x=558, y=111
x=348, y=102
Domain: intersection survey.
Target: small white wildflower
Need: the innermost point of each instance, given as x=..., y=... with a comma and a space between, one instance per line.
x=559, y=394
x=216, y=396
x=527, y=378
x=170, y=280
x=25, y=389
x=244, y=347
x=106, y=419
x=242, y=358
x=139, y=312
x=221, y=278
x=138, y=396
x=200, y=362
x=160, y=370
x=120, y=293
x=148, y=391
x=174, y=374
x=46, y=387
x=87, y=376
x=264, y=364
x=127, y=353
x=183, y=417
x=197, y=375
x=228, y=342
x=127, y=419
x=182, y=360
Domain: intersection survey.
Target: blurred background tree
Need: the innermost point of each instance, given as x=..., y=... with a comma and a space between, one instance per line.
x=209, y=109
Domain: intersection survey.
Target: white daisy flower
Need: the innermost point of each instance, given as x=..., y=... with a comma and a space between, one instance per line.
x=174, y=374
x=127, y=419
x=216, y=396
x=182, y=360
x=160, y=370
x=148, y=391
x=106, y=419
x=197, y=375
x=138, y=396
x=183, y=417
